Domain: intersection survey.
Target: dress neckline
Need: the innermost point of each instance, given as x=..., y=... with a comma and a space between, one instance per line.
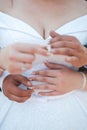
x=30, y=26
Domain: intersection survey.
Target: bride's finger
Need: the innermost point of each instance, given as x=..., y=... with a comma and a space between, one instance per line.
x=30, y=49
x=43, y=79
x=23, y=57
x=50, y=73
x=44, y=87
x=18, y=67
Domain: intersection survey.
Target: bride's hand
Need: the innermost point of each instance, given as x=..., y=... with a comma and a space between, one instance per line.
x=17, y=57
x=57, y=78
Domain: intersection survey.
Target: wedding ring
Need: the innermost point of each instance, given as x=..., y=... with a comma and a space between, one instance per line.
x=23, y=68
x=49, y=48
x=29, y=88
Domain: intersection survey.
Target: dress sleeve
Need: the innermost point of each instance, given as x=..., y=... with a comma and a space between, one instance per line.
x=83, y=68
x=2, y=77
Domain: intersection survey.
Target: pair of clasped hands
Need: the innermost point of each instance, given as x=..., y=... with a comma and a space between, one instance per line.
x=58, y=78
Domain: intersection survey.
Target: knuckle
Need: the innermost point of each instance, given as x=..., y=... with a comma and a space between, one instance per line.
x=66, y=51
x=54, y=86
x=69, y=51
x=73, y=38
x=56, y=51
x=44, y=72
x=58, y=38
x=10, y=97
x=11, y=69
x=60, y=73
x=11, y=57
x=32, y=58
x=44, y=79
x=46, y=87
x=77, y=44
x=10, y=65
x=30, y=66
x=63, y=43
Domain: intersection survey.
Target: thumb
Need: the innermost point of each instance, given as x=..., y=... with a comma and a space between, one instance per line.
x=22, y=80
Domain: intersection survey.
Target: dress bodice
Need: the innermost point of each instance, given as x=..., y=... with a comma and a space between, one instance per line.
x=64, y=112
x=14, y=30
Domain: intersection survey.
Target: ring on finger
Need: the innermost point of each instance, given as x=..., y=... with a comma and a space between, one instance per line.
x=23, y=67
x=49, y=48
x=29, y=88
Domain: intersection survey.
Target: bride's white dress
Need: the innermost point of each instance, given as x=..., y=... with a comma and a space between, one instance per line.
x=65, y=112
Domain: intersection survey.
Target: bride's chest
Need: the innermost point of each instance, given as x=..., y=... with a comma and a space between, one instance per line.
x=43, y=21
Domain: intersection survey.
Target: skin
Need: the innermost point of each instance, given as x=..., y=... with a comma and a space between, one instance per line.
x=39, y=13
x=69, y=46
x=1, y=71
x=16, y=55
x=56, y=79
x=47, y=9
x=13, y=63
x=13, y=92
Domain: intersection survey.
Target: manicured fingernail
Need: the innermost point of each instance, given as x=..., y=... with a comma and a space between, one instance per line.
x=29, y=88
